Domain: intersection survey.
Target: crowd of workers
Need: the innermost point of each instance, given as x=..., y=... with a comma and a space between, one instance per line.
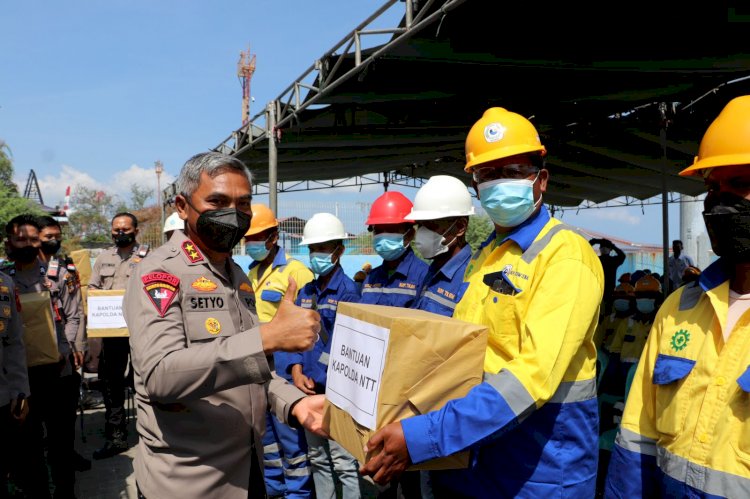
x=590, y=387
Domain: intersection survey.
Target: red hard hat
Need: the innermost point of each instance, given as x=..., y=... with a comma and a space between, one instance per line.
x=390, y=208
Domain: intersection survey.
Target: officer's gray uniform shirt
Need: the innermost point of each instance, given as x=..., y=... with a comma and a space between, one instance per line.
x=111, y=271
x=13, y=376
x=201, y=376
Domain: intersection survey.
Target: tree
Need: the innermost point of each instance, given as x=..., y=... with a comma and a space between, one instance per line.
x=480, y=228
x=11, y=203
x=6, y=169
x=139, y=196
x=91, y=220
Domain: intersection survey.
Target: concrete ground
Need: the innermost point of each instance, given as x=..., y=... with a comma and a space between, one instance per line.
x=110, y=478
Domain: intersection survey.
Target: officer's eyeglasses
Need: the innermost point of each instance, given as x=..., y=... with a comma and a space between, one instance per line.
x=512, y=171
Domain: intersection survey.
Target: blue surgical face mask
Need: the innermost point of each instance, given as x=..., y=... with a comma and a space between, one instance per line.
x=621, y=305
x=389, y=246
x=508, y=202
x=321, y=263
x=257, y=250
x=645, y=305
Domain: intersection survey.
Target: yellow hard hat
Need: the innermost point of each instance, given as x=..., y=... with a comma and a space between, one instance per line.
x=648, y=283
x=499, y=134
x=263, y=219
x=624, y=289
x=727, y=140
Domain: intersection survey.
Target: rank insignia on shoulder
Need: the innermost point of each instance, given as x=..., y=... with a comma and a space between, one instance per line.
x=161, y=288
x=204, y=284
x=143, y=250
x=192, y=252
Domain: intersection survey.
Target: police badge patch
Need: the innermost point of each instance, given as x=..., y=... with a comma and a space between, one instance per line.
x=161, y=288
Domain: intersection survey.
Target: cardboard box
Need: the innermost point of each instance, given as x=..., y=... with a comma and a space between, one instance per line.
x=104, y=317
x=391, y=363
x=39, y=330
x=82, y=261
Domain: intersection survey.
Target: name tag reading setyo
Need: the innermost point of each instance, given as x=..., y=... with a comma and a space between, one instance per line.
x=206, y=302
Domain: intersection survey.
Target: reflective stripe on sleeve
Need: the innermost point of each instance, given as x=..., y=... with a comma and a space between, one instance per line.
x=440, y=299
x=395, y=291
x=297, y=471
x=633, y=442
x=574, y=391
x=512, y=391
x=700, y=477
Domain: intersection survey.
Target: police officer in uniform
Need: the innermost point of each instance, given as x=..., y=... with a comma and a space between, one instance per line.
x=14, y=379
x=202, y=362
x=112, y=269
x=50, y=235
x=55, y=391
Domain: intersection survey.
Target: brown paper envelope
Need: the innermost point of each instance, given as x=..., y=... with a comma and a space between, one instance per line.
x=39, y=333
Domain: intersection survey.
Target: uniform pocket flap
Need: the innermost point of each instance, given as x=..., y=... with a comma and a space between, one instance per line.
x=744, y=380
x=669, y=369
x=271, y=295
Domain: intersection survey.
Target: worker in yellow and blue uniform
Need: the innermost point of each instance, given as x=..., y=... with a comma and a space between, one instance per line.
x=537, y=284
x=686, y=427
x=324, y=235
x=285, y=465
x=397, y=280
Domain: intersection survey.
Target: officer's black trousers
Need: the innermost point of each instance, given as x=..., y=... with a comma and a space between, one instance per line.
x=52, y=413
x=112, y=366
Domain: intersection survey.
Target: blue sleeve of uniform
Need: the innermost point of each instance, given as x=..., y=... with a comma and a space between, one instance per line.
x=631, y=474
x=482, y=414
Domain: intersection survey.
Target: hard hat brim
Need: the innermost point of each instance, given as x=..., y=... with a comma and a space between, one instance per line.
x=714, y=162
x=256, y=230
x=504, y=152
x=418, y=215
x=316, y=240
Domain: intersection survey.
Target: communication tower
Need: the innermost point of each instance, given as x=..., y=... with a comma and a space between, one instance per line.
x=245, y=70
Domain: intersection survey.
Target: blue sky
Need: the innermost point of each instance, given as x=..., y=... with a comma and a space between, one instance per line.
x=94, y=92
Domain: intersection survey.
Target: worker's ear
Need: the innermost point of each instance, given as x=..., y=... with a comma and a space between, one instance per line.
x=462, y=225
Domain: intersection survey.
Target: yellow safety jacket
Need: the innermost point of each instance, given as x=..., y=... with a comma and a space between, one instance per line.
x=269, y=288
x=538, y=290
x=686, y=427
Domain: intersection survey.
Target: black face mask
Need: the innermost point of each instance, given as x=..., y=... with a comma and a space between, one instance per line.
x=24, y=255
x=727, y=219
x=123, y=240
x=51, y=247
x=221, y=230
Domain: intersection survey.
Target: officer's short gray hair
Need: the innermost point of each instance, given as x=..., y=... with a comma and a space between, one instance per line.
x=213, y=163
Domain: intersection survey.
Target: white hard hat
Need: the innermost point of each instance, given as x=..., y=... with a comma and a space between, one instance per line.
x=322, y=227
x=442, y=196
x=173, y=222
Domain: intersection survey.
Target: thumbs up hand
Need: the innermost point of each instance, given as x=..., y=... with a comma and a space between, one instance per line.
x=293, y=328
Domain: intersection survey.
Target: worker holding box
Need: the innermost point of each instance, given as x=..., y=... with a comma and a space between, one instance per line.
x=532, y=424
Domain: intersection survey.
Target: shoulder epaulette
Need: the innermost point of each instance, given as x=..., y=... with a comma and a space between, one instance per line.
x=8, y=267
x=143, y=250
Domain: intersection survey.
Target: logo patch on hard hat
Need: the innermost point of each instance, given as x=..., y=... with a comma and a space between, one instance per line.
x=494, y=132
x=213, y=326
